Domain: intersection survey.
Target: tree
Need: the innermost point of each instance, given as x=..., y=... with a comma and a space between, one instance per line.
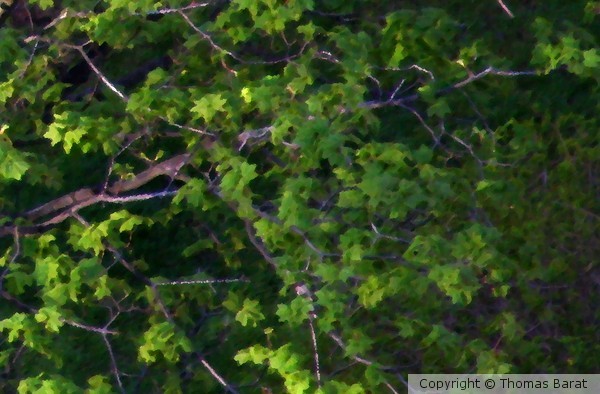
x=296, y=196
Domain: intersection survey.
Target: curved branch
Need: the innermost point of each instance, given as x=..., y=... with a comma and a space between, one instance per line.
x=65, y=206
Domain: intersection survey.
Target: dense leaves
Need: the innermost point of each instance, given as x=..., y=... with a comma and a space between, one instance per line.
x=301, y=196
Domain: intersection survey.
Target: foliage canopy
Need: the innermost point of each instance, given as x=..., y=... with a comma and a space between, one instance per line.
x=300, y=196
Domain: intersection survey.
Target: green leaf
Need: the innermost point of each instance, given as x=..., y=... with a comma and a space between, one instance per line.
x=163, y=339
x=358, y=344
x=440, y=108
x=6, y=91
x=374, y=375
x=17, y=280
x=284, y=360
x=130, y=223
x=50, y=317
x=14, y=325
x=208, y=106
x=335, y=387
x=371, y=292
x=591, y=58
x=99, y=384
x=423, y=155
x=248, y=172
x=102, y=290
x=250, y=313
x=12, y=163
x=398, y=55
x=193, y=193
x=88, y=270
x=296, y=312
x=44, y=4
x=57, y=295
x=46, y=270
x=256, y=354
x=483, y=184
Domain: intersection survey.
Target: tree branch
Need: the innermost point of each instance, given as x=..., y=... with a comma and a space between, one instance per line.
x=64, y=207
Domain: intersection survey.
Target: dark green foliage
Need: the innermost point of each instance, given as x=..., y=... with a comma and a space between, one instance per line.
x=189, y=193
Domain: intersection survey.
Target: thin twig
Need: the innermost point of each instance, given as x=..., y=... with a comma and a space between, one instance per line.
x=218, y=377
x=145, y=280
x=491, y=71
x=30, y=309
x=125, y=146
x=189, y=128
x=208, y=37
x=303, y=291
x=313, y=334
x=364, y=361
x=31, y=55
x=389, y=386
x=97, y=71
x=103, y=331
x=254, y=240
x=199, y=282
x=402, y=101
x=131, y=268
x=191, y=6
x=113, y=364
x=17, y=244
x=505, y=8
x=435, y=138
x=380, y=235
x=234, y=56
x=138, y=197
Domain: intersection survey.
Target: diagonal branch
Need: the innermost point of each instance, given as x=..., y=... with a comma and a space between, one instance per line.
x=64, y=207
x=218, y=48
x=228, y=388
x=99, y=330
x=97, y=71
x=374, y=104
x=505, y=8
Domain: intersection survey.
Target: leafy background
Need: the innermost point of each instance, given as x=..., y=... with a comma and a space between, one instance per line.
x=367, y=189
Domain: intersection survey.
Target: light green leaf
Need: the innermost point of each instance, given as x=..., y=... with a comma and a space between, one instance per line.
x=51, y=317
x=208, y=106
x=591, y=58
x=12, y=163
x=250, y=314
